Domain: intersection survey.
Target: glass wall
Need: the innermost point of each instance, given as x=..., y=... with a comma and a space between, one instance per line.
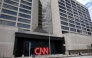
x=45, y=15
x=34, y=44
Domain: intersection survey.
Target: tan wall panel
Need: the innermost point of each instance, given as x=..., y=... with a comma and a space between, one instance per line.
x=56, y=18
x=77, y=41
x=34, y=14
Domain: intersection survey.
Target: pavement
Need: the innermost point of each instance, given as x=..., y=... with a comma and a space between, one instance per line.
x=80, y=57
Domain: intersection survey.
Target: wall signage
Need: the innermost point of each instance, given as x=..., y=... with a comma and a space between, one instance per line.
x=41, y=50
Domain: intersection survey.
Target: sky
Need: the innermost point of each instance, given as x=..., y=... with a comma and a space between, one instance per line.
x=88, y=4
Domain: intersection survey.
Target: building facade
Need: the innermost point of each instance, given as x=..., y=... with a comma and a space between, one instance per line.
x=19, y=13
x=72, y=20
x=60, y=26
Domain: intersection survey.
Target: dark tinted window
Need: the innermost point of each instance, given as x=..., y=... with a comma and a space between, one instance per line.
x=8, y=17
x=23, y=25
x=65, y=28
x=24, y=15
x=23, y=20
x=9, y=12
x=64, y=23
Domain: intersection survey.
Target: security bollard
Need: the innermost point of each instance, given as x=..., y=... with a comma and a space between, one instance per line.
x=57, y=55
x=22, y=56
x=38, y=56
x=2, y=56
x=13, y=56
x=31, y=56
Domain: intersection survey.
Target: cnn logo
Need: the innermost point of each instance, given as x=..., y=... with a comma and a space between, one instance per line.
x=41, y=50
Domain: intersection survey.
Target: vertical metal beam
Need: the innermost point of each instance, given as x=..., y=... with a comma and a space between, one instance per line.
x=29, y=48
x=49, y=44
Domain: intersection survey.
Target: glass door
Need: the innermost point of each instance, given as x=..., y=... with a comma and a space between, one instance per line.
x=27, y=48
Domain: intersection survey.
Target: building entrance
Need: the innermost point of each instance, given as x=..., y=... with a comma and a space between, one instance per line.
x=27, y=45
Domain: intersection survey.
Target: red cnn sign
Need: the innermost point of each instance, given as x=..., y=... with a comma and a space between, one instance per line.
x=41, y=50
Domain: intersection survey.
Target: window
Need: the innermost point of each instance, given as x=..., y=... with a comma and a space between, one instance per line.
x=7, y=23
x=78, y=27
x=74, y=10
x=62, y=7
x=29, y=0
x=79, y=31
x=63, y=14
x=25, y=11
x=23, y=20
x=70, y=14
x=77, y=20
x=77, y=23
x=75, y=13
x=62, y=10
x=88, y=29
x=63, y=32
x=72, y=29
x=84, y=32
x=27, y=3
x=8, y=17
x=67, y=1
x=83, y=28
x=24, y=15
x=70, y=17
x=83, y=25
x=76, y=16
x=71, y=21
x=64, y=19
x=10, y=7
x=62, y=1
x=68, y=6
x=23, y=25
x=64, y=23
x=82, y=22
x=74, y=6
x=9, y=12
x=71, y=25
x=24, y=6
x=69, y=10
x=89, y=33
x=61, y=4
x=16, y=0
x=11, y=2
x=65, y=28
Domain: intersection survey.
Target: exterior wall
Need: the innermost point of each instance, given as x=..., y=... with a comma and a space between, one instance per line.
x=7, y=37
x=77, y=41
x=74, y=17
x=56, y=18
x=34, y=14
x=20, y=13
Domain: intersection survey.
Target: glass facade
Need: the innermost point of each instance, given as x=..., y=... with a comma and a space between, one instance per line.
x=34, y=44
x=45, y=20
x=74, y=17
x=16, y=13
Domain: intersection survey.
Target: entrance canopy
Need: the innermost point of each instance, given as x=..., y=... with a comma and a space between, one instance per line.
x=26, y=44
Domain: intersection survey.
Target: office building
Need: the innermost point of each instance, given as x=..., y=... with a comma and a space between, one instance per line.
x=72, y=20
x=19, y=13
x=27, y=27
